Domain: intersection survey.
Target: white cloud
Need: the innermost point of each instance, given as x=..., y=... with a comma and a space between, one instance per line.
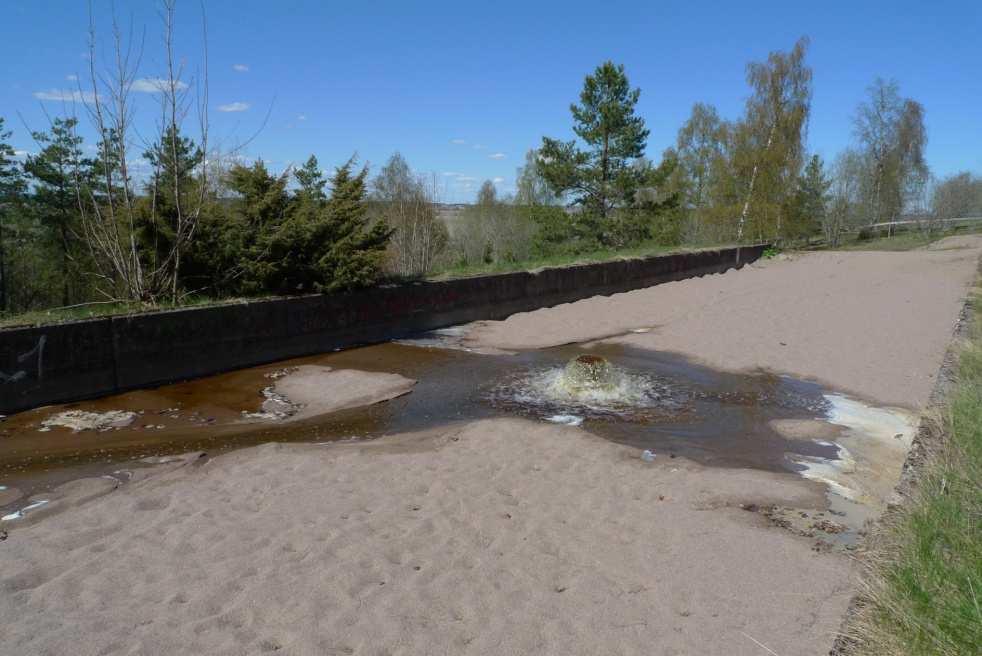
x=240, y=68
x=234, y=107
x=452, y=174
x=21, y=153
x=71, y=78
x=466, y=179
x=155, y=85
x=498, y=180
x=458, y=142
x=479, y=146
x=301, y=117
x=65, y=95
x=496, y=156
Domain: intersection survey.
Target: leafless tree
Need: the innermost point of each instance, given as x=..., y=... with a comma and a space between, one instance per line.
x=492, y=230
x=957, y=196
x=845, y=197
x=407, y=203
x=111, y=206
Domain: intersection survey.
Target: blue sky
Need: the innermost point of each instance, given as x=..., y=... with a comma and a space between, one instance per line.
x=464, y=89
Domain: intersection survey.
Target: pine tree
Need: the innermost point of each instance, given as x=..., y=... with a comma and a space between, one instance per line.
x=57, y=172
x=601, y=177
x=11, y=190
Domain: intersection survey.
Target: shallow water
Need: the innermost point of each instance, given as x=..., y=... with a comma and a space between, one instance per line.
x=710, y=416
x=659, y=401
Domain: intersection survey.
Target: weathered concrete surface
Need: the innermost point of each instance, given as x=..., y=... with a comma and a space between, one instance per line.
x=58, y=363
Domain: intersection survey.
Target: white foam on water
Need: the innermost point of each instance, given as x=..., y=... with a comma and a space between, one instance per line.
x=829, y=471
x=878, y=440
x=588, y=387
x=448, y=338
x=81, y=420
x=567, y=420
x=623, y=390
x=20, y=513
x=888, y=424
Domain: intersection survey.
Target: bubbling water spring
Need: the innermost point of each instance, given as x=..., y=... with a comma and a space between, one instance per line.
x=590, y=386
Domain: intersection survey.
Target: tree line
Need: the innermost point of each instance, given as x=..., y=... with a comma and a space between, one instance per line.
x=78, y=226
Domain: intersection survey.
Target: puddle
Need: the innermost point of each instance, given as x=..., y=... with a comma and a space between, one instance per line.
x=648, y=400
x=18, y=514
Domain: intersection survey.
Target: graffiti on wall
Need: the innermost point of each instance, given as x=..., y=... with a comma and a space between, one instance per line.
x=25, y=364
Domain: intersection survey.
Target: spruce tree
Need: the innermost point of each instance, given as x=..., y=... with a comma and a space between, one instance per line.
x=812, y=198
x=255, y=219
x=304, y=244
x=351, y=248
x=311, y=180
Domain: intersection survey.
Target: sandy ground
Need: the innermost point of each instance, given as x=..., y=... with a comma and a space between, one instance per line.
x=503, y=536
x=320, y=390
x=875, y=324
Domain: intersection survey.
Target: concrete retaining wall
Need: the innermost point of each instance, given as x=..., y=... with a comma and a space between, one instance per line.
x=85, y=359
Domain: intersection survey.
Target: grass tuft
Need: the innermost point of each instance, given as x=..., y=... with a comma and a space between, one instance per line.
x=600, y=255
x=923, y=592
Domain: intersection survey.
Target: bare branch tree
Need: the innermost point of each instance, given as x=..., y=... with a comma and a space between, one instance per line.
x=113, y=211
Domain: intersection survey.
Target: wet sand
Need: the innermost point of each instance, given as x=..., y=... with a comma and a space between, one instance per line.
x=503, y=535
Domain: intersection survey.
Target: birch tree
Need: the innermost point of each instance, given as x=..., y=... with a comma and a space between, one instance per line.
x=532, y=188
x=773, y=134
x=892, y=137
x=957, y=196
x=699, y=144
x=845, y=196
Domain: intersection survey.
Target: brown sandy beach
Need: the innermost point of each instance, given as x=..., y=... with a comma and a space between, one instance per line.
x=504, y=536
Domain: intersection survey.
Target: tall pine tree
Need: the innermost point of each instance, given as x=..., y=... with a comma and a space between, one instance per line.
x=11, y=191
x=603, y=176
x=59, y=172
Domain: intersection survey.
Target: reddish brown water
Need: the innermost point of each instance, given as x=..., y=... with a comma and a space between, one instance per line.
x=712, y=417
